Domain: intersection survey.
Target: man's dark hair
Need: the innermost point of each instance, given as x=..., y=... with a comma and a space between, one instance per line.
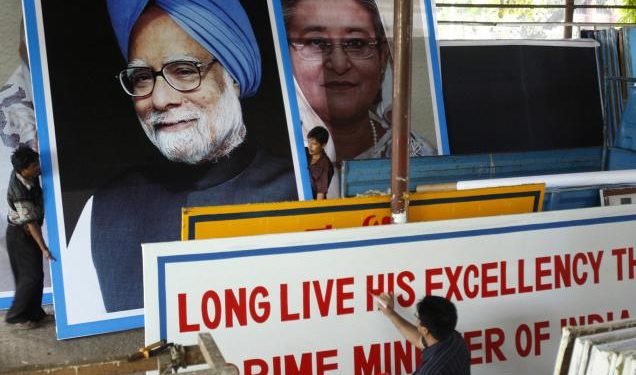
x=438, y=315
x=23, y=157
x=320, y=134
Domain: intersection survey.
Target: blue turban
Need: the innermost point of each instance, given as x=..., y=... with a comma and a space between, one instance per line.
x=220, y=26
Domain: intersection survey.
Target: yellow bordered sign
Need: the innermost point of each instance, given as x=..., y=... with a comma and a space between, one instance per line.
x=262, y=218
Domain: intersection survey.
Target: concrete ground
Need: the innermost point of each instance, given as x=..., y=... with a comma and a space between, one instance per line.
x=19, y=348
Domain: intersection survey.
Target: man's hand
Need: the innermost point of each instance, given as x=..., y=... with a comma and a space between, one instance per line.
x=407, y=329
x=46, y=253
x=36, y=232
x=388, y=301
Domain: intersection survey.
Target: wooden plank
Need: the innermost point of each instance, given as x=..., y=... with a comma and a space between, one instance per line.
x=214, y=358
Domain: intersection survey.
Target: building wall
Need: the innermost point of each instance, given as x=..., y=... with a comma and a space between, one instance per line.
x=10, y=16
x=422, y=117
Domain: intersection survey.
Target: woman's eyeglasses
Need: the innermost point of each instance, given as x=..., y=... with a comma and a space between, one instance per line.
x=314, y=49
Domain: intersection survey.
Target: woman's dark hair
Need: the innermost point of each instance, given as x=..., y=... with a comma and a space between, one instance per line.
x=23, y=157
x=438, y=315
x=320, y=134
x=289, y=7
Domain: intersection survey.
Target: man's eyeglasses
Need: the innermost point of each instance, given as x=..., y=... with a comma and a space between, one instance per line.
x=181, y=75
x=314, y=49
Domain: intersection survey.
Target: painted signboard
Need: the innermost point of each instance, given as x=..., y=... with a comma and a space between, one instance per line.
x=251, y=219
x=301, y=302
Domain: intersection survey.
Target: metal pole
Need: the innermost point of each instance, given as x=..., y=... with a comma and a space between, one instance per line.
x=569, y=17
x=402, y=21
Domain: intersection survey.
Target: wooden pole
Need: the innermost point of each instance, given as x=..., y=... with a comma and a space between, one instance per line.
x=402, y=21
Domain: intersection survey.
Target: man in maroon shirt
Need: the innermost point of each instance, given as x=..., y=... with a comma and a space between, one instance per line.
x=320, y=167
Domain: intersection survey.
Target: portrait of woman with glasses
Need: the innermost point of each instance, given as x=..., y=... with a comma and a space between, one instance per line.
x=340, y=55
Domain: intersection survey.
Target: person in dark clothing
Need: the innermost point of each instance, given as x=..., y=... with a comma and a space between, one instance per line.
x=444, y=349
x=25, y=243
x=320, y=167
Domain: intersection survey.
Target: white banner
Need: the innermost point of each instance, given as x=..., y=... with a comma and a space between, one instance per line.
x=280, y=303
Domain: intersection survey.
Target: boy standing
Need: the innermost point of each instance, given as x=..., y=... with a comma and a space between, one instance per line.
x=320, y=167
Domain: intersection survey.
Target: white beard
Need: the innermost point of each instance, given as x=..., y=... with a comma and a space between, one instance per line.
x=215, y=134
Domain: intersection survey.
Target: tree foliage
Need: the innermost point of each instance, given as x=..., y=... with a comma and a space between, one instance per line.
x=628, y=15
x=517, y=12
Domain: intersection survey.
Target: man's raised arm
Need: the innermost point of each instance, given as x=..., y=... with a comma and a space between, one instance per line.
x=407, y=329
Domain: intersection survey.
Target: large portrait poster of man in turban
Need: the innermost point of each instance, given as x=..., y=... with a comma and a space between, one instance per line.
x=145, y=107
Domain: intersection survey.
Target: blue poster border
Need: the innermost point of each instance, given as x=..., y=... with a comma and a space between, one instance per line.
x=434, y=60
x=283, y=45
x=5, y=302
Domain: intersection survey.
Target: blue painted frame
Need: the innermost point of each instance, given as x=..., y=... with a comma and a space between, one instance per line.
x=293, y=102
x=5, y=302
x=438, y=93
